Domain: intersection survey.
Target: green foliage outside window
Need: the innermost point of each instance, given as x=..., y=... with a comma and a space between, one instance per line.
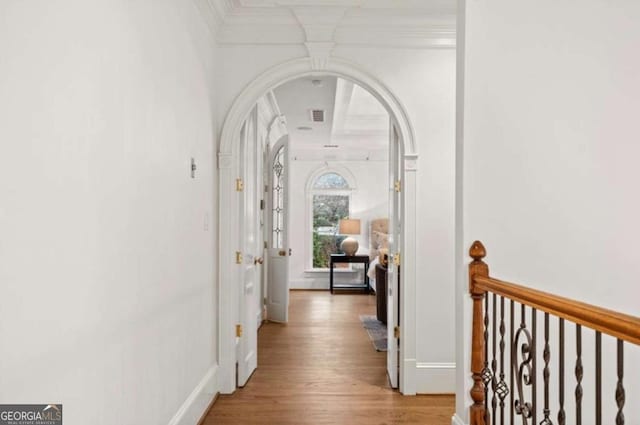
x=327, y=212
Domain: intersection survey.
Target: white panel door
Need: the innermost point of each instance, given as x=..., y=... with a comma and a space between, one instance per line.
x=278, y=244
x=393, y=270
x=250, y=238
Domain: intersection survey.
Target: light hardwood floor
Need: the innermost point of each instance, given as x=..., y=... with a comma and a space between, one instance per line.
x=321, y=368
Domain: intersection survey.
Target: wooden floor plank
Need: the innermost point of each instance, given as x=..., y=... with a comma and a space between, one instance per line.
x=321, y=368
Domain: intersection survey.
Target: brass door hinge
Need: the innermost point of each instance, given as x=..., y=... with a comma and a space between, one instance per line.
x=238, y=257
x=396, y=332
x=239, y=185
x=238, y=331
x=397, y=186
x=396, y=259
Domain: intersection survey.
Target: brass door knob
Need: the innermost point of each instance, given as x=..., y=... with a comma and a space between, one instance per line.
x=282, y=253
x=258, y=260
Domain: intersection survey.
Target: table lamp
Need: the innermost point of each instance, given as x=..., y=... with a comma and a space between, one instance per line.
x=349, y=226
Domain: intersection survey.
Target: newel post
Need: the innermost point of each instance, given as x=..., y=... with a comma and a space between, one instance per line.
x=477, y=268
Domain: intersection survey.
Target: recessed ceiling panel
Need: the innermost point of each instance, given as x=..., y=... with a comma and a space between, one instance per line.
x=297, y=99
x=354, y=120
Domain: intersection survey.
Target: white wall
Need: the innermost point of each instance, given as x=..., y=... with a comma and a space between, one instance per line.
x=106, y=260
x=551, y=98
x=369, y=200
x=241, y=64
x=424, y=82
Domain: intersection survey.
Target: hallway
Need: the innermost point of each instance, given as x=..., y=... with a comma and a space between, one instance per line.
x=322, y=368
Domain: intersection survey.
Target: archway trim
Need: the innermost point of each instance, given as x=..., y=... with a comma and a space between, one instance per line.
x=297, y=68
x=228, y=201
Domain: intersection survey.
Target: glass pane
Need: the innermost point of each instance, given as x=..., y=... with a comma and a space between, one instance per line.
x=330, y=181
x=278, y=199
x=327, y=212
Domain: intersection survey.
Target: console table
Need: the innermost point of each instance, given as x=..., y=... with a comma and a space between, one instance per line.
x=342, y=258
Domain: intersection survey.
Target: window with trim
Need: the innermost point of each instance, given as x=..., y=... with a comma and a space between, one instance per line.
x=330, y=196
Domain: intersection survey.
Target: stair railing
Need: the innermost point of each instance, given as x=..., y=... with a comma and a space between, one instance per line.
x=509, y=394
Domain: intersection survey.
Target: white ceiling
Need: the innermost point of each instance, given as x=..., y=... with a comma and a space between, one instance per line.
x=296, y=98
x=355, y=121
x=390, y=4
x=413, y=23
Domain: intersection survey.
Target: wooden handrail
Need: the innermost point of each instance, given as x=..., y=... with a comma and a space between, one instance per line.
x=608, y=322
x=621, y=326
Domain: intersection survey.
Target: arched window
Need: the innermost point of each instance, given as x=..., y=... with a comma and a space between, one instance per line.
x=330, y=199
x=330, y=180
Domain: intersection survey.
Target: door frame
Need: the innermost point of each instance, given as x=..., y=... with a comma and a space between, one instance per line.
x=228, y=223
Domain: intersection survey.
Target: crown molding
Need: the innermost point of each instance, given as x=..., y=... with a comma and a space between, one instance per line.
x=242, y=22
x=260, y=34
x=360, y=4
x=412, y=37
x=319, y=23
x=443, y=36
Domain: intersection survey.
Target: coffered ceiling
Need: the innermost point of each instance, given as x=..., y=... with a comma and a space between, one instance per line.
x=356, y=125
x=396, y=23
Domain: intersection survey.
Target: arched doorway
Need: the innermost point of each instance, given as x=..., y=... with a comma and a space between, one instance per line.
x=228, y=160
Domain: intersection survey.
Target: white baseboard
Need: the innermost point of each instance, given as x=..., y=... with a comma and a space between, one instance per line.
x=319, y=283
x=408, y=381
x=309, y=284
x=457, y=420
x=435, y=378
x=198, y=401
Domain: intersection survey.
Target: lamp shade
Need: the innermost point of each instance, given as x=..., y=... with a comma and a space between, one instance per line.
x=349, y=226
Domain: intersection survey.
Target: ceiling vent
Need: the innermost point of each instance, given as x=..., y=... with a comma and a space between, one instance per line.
x=317, y=115
x=331, y=146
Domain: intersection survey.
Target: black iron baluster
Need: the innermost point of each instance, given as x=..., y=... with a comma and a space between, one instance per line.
x=494, y=363
x=546, y=373
x=534, y=386
x=620, y=396
x=598, y=378
x=579, y=373
x=512, y=354
x=486, y=373
x=502, y=388
x=524, y=369
x=561, y=415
